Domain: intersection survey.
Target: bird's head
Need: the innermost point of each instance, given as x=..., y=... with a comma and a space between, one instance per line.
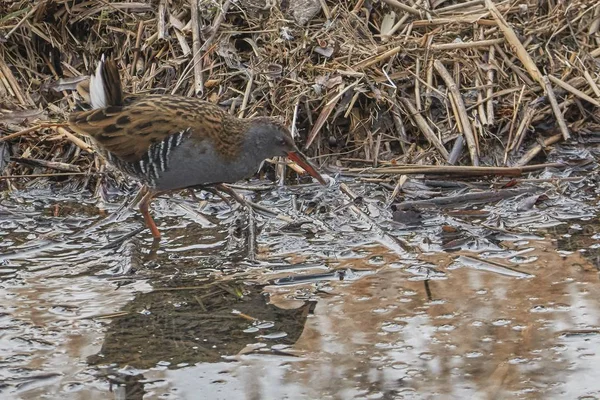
x=275, y=139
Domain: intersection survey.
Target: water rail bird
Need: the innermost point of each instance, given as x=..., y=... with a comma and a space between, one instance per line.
x=173, y=142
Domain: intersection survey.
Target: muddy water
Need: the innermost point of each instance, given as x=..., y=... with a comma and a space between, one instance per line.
x=327, y=299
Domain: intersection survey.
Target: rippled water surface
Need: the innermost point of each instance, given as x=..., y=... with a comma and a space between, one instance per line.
x=320, y=296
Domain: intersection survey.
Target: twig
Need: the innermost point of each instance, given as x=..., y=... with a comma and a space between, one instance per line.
x=535, y=150
x=28, y=130
x=467, y=19
x=251, y=235
x=461, y=111
x=75, y=140
x=162, y=11
x=515, y=43
x=467, y=45
x=459, y=6
x=136, y=52
x=574, y=91
x=457, y=149
x=424, y=128
x=399, y=125
x=3, y=177
x=523, y=126
x=509, y=142
x=214, y=29
x=480, y=110
x=557, y=112
x=25, y=18
x=513, y=67
x=60, y=166
x=325, y=9
x=196, y=59
x=246, y=94
x=6, y=73
x=531, y=67
x=455, y=170
x=377, y=58
x=402, y=6
x=490, y=89
x=591, y=82
x=325, y=112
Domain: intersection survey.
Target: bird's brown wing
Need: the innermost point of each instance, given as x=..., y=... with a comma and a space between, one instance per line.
x=128, y=131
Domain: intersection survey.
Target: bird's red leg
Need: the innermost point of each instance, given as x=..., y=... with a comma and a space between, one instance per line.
x=144, y=208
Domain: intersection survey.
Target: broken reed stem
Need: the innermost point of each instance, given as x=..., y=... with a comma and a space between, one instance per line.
x=29, y=130
x=460, y=109
x=377, y=58
x=12, y=84
x=530, y=65
x=467, y=45
x=417, y=85
x=4, y=177
x=515, y=43
x=481, y=111
x=424, y=128
x=429, y=86
x=197, y=62
x=522, y=129
x=574, y=91
x=325, y=112
x=214, y=28
x=537, y=148
x=516, y=109
x=400, y=129
x=25, y=18
x=493, y=63
x=251, y=235
x=457, y=149
x=490, y=88
x=279, y=216
x=459, y=6
x=197, y=58
x=402, y=6
x=57, y=165
x=513, y=67
x=591, y=82
x=161, y=16
x=136, y=52
x=469, y=19
x=246, y=94
x=358, y=6
x=75, y=140
x=555, y=108
x=456, y=170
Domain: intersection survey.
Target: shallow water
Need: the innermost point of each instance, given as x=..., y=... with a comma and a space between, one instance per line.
x=329, y=299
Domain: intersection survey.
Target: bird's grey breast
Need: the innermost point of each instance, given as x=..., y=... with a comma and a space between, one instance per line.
x=197, y=162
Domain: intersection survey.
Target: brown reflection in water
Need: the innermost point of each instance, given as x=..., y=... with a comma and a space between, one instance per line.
x=482, y=334
x=184, y=322
x=583, y=237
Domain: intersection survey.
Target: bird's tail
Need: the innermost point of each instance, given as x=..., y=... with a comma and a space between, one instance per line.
x=105, y=85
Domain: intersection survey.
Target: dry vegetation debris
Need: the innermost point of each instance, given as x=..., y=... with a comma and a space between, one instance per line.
x=374, y=83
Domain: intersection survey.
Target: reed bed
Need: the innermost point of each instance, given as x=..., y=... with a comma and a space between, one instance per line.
x=378, y=84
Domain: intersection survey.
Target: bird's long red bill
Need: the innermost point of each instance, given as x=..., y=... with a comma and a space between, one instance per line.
x=299, y=159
